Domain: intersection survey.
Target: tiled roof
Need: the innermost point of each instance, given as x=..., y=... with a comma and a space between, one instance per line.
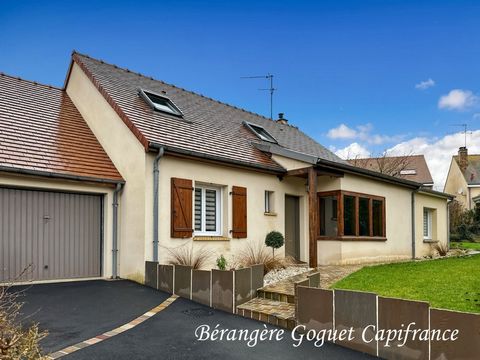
x=42, y=132
x=208, y=127
x=413, y=162
x=472, y=173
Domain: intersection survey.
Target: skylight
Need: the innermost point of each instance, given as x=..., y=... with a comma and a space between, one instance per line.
x=160, y=103
x=260, y=132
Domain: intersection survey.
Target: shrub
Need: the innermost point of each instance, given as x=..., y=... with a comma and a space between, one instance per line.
x=275, y=240
x=441, y=248
x=257, y=253
x=185, y=255
x=16, y=341
x=222, y=263
x=464, y=224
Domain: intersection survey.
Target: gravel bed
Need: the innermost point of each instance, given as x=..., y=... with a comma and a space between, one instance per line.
x=282, y=274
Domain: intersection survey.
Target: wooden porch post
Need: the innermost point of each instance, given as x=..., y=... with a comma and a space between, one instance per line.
x=312, y=217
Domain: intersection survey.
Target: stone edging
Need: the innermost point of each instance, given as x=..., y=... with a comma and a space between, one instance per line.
x=109, y=334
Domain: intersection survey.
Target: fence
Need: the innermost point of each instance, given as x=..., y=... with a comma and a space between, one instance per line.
x=223, y=290
x=321, y=309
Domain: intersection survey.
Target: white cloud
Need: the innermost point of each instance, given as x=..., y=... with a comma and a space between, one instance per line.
x=352, y=151
x=362, y=133
x=342, y=132
x=458, y=99
x=438, y=152
x=423, y=85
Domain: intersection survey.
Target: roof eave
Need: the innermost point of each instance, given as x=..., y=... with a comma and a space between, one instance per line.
x=178, y=151
x=369, y=173
x=436, y=193
x=49, y=174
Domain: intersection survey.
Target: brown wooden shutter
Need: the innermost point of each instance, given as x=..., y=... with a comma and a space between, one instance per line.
x=239, y=212
x=181, y=216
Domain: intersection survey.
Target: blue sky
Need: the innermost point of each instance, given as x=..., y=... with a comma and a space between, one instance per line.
x=350, y=63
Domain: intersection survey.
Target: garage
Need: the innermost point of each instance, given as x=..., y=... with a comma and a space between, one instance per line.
x=47, y=235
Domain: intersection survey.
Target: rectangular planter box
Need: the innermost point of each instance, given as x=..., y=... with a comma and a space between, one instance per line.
x=183, y=279
x=357, y=310
x=165, y=278
x=201, y=286
x=151, y=275
x=222, y=290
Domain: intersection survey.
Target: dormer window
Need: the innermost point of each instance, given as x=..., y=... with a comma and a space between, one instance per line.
x=160, y=103
x=260, y=132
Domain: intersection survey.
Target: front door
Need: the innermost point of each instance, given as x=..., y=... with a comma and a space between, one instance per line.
x=292, y=227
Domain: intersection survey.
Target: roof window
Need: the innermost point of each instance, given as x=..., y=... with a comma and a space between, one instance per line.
x=160, y=103
x=408, y=172
x=260, y=132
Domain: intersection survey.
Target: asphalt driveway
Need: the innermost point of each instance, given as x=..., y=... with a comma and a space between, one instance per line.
x=76, y=311
x=73, y=312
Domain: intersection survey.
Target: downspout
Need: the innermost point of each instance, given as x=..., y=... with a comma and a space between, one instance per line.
x=448, y=223
x=413, y=224
x=115, y=230
x=156, y=172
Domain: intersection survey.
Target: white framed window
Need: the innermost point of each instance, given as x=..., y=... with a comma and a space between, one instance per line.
x=160, y=103
x=427, y=224
x=207, y=210
x=260, y=132
x=269, y=208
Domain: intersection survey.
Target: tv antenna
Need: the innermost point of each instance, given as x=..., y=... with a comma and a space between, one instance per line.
x=464, y=132
x=271, y=89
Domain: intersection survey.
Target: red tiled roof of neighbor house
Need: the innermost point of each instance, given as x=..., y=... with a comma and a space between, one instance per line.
x=414, y=168
x=42, y=133
x=209, y=128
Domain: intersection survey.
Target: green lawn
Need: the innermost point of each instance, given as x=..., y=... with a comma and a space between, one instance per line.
x=465, y=245
x=451, y=283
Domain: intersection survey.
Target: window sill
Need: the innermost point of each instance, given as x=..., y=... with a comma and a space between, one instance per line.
x=430, y=241
x=353, y=238
x=210, y=238
x=270, y=214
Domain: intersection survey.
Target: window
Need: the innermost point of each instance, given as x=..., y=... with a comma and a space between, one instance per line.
x=349, y=221
x=260, y=132
x=328, y=215
x=207, y=210
x=160, y=103
x=408, y=172
x=377, y=218
x=427, y=224
x=364, y=216
x=360, y=215
x=269, y=209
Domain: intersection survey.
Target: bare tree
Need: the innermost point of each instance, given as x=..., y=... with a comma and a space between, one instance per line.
x=384, y=164
x=16, y=340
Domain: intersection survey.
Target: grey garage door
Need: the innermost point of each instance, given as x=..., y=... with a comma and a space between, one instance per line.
x=49, y=235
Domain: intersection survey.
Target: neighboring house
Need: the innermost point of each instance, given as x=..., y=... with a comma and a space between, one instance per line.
x=409, y=167
x=182, y=170
x=463, y=179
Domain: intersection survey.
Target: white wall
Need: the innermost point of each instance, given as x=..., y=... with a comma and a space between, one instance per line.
x=128, y=155
x=398, y=224
x=256, y=183
x=439, y=222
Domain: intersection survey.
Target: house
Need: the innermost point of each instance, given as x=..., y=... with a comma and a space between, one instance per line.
x=463, y=179
x=116, y=168
x=409, y=167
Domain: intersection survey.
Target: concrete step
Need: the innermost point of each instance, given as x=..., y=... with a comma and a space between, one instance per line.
x=276, y=296
x=279, y=313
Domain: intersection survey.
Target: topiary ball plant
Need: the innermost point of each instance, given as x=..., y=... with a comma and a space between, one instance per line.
x=275, y=240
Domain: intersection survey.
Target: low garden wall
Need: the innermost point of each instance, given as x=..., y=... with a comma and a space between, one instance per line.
x=367, y=314
x=219, y=289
